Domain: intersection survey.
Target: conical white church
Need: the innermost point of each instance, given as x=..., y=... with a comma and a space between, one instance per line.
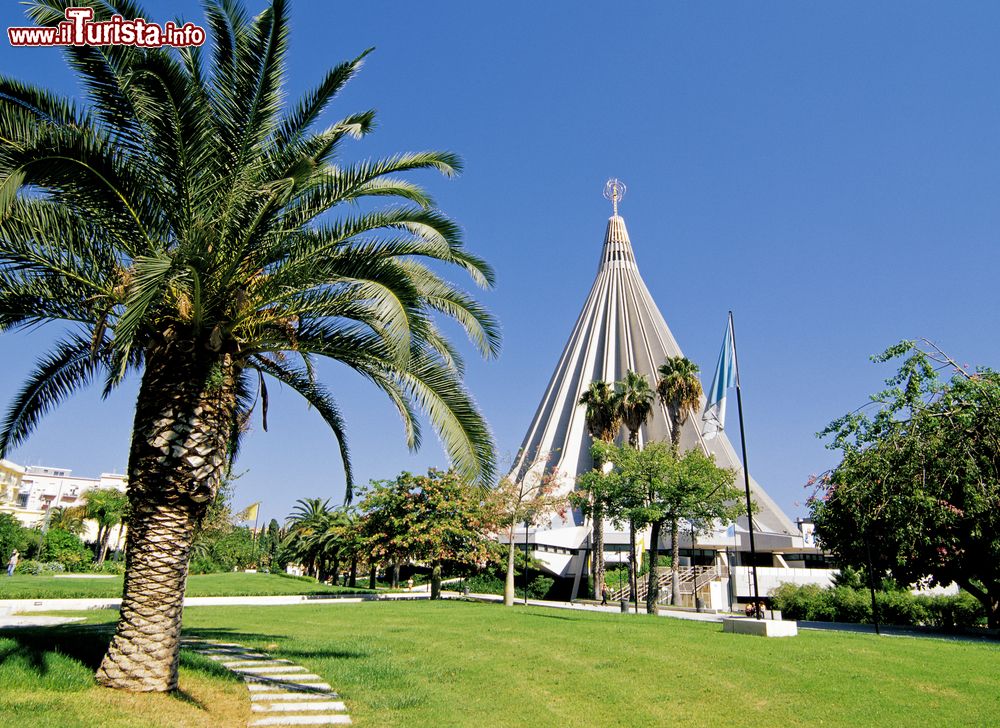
x=619, y=329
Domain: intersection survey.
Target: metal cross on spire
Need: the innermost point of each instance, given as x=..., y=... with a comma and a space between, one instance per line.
x=614, y=190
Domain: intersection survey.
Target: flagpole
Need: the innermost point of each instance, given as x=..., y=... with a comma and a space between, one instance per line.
x=746, y=472
x=255, y=544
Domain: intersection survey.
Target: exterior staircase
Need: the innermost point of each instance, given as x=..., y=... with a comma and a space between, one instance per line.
x=687, y=577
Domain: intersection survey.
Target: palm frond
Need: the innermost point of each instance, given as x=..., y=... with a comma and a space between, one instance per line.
x=69, y=367
x=317, y=396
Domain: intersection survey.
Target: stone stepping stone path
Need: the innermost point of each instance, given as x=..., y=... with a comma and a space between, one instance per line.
x=281, y=692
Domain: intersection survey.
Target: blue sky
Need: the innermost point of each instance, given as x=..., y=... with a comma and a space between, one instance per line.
x=829, y=171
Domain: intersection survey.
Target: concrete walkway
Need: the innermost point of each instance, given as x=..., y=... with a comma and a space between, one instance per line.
x=281, y=692
x=35, y=621
x=81, y=605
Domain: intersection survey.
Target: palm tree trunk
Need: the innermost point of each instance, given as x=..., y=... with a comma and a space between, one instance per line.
x=598, y=550
x=633, y=567
x=675, y=563
x=353, y=579
x=183, y=420
x=653, y=592
x=508, y=585
x=98, y=540
x=675, y=430
x=436, y=581
x=372, y=577
x=104, y=546
x=335, y=571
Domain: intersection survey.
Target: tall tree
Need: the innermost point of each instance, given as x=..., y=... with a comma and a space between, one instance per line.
x=603, y=417
x=105, y=506
x=532, y=500
x=917, y=492
x=178, y=223
x=635, y=403
x=432, y=519
x=680, y=392
x=308, y=521
x=701, y=493
x=66, y=518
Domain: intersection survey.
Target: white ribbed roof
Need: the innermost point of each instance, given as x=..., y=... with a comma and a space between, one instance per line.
x=620, y=328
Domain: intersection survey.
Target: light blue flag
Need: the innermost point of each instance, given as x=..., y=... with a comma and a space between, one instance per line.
x=714, y=419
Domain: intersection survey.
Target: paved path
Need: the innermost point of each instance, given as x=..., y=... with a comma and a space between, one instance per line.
x=35, y=621
x=80, y=605
x=281, y=692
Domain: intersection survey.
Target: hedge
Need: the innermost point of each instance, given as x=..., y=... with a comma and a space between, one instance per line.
x=811, y=603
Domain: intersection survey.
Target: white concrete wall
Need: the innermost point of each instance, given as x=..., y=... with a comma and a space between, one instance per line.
x=770, y=578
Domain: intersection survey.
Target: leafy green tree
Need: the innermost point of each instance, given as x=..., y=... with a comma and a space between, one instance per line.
x=178, y=222
x=105, y=506
x=679, y=390
x=12, y=536
x=653, y=487
x=533, y=500
x=701, y=493
x=917, y=491
x=603, y=417
x=433, y=519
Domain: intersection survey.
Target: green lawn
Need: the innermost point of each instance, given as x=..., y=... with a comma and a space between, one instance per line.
x=461, y=664
x=202, y=585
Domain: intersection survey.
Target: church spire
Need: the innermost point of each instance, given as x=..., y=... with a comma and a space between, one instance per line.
x=620, y=329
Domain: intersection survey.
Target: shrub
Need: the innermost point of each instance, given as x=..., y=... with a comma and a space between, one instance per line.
x=851, y=605
x=538, y=588
x=484, y=584
x=809, y=603
x=953, y=610
x=899, y=607
x=109, y=567
x=67, y=549
x=222, y=551
x=39, y=568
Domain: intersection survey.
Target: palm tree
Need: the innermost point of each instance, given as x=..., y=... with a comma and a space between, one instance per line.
x=307, y=522
x=106, y=506
x=333, y=542
x=603, y=421
x=68, y=519
x=179, y=224
x=635, y=402
x=680, y=392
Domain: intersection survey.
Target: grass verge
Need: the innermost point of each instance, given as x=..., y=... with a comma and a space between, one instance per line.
x=198, y=585
x=461, y=664
x=47, y=681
